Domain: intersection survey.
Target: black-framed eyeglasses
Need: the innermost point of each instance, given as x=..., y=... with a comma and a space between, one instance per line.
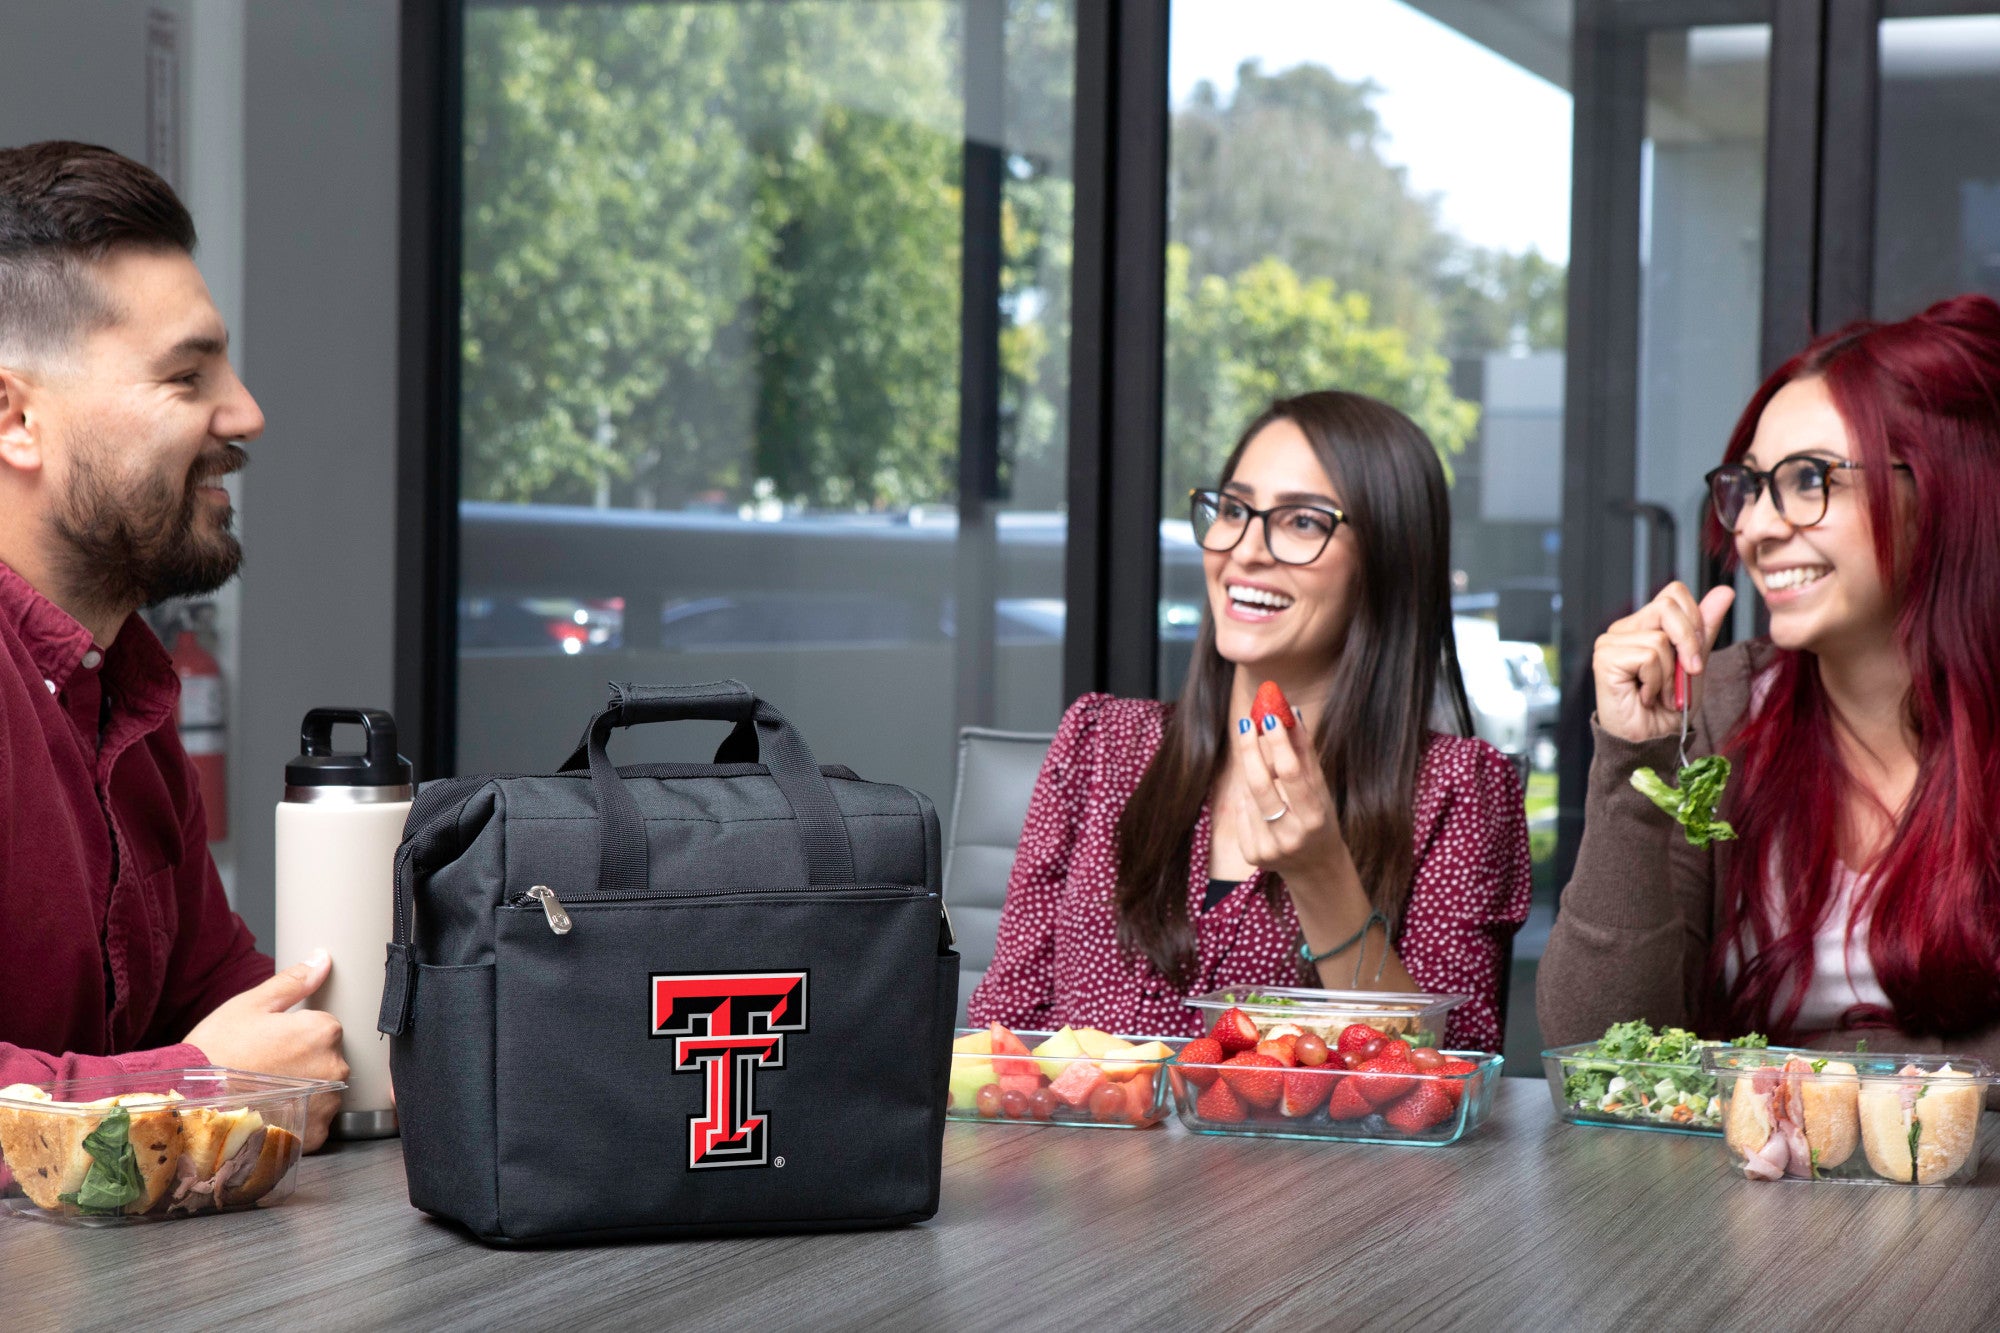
x=1799, y=483
x=1293, y=534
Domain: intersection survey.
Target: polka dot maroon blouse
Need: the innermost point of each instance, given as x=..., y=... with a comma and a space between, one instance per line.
x=1057, y=958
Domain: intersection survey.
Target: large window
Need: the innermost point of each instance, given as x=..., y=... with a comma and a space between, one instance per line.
x=1701, y=249
x=1937, y=200
x=1363, y=197
x=763, y=369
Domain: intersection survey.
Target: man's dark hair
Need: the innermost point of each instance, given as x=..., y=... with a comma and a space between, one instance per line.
x=63, y=207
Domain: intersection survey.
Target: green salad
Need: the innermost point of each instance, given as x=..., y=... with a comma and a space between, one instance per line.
x=1635, y=1074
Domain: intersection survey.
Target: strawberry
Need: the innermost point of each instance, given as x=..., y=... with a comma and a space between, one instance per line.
x=1451, y=1074
x=1219, y=1103
x=1385, y=1086
x=1398, y=1051
x=1279, y=1049
x=1347, y=1102
x=1354, y=1036
x=1429, y=1105
x=1271, y=702
x=1235, y=1031
x=1200, y=1051
x=1283, y=1030
x=1306, y=1090
x=1255, y=1078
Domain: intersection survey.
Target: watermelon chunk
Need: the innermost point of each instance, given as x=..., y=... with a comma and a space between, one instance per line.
x=1006, y=1043
x=1078, y=1081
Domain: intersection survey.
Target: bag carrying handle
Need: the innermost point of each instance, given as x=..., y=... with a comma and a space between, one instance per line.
x=624, y=862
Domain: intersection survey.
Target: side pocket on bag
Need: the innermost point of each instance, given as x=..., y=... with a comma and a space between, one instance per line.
x=944, y=1011
x=443, y=1067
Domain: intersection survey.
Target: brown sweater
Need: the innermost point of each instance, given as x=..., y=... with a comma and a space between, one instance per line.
x=1637, y=919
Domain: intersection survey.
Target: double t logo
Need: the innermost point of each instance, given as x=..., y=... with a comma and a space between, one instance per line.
x=727, y=1024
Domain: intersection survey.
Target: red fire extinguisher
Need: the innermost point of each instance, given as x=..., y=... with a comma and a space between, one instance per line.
x=201, y=726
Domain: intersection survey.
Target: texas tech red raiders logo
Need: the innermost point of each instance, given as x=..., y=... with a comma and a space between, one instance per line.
x=728, y=1024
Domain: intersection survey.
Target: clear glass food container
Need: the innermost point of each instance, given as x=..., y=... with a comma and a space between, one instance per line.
x=1417, y=1018
x=149, y=1147
x=1056, y=1080
x=1331, y=1102
x=1590, y=1089
x=1853, y=1118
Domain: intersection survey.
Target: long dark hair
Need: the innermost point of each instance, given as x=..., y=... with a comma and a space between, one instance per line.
x=1922, y=392
x=1371, y=728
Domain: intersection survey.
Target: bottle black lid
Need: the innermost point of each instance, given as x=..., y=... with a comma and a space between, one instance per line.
x=318, y=766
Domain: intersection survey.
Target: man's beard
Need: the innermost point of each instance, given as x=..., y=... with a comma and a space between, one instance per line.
x=147, y=545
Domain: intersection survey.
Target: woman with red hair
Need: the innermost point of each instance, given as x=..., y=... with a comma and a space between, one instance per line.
x=1861, y=493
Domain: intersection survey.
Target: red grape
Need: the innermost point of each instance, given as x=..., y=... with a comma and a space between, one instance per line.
x=1042, y=1104
x=1425, y=1058
x=988, y=1100
x=1310, y=1049
x=1373, y=1048
x=1014, y=1103
x=1108, y=1102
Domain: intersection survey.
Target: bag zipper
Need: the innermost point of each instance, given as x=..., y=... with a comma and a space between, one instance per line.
x=561, y=924
x=559, y=921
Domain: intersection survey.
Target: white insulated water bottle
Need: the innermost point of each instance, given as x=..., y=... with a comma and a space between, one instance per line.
x=338, y=829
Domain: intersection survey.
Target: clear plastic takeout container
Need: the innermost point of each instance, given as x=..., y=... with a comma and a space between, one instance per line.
x=1592, y=1089
x=147, y=1147
x=1331, y=1102
x=1417, y=1018
x=1852, y=1117
x=1116, y=1089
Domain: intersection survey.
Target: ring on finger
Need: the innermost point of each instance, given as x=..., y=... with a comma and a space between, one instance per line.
x=1283, y=810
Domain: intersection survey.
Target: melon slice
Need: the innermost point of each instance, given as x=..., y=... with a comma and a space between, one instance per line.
x=1056, y=1053
x=1135, y=1059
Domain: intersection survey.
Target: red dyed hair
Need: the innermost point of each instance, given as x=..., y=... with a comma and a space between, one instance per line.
x=1925, y=392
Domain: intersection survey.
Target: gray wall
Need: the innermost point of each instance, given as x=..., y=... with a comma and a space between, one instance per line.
x=318, y=526
x=289, y=159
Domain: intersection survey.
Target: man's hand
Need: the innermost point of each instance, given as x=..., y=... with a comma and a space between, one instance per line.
x=255, y=1032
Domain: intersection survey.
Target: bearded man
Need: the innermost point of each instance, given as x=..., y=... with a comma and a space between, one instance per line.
x=120, y=415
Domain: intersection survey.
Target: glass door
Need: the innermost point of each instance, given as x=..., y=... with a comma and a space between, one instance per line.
x=763, y=369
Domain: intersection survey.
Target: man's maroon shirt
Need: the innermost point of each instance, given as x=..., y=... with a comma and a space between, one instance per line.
x=115, y=935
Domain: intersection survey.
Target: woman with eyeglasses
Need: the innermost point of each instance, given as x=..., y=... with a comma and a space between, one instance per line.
x=1861, y=494
x=1175, y=849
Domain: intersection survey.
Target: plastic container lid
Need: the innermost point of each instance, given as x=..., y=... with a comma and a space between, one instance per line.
x=1394, y=1012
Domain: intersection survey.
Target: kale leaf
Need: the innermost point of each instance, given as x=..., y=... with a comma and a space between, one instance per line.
x=113, y=1179
x=1693, y=803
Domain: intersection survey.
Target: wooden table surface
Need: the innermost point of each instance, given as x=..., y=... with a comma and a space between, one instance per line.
x=1528, y=1223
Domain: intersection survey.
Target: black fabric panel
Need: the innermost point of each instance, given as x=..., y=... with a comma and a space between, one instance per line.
x=443, y=1072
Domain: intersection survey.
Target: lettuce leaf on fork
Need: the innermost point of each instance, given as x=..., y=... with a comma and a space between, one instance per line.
x=1693, y=803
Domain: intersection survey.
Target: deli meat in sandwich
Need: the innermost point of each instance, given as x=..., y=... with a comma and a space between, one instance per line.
x=1794, y=1119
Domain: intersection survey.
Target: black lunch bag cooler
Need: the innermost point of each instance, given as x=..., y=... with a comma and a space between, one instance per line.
x=671, y=999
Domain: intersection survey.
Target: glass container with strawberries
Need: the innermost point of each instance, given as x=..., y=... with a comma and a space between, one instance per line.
x=1073, y=1076
x=1415, y=1017
x=1276, y=1077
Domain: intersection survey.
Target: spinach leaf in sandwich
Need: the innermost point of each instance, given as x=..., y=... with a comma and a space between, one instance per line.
x=1693, y=803
x=113, y=1179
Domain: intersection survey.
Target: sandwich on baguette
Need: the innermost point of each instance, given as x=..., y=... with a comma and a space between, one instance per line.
x=232, y=1158
x=121, y=1160
x=1923, y=1126
x=1794, y=1119
x=139, y=1153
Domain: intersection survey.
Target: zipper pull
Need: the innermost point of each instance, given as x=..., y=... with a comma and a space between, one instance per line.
x=559, y=922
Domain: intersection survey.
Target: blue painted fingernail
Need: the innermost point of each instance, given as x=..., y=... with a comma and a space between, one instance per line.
x=1243, y=726
x=1270, y=721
